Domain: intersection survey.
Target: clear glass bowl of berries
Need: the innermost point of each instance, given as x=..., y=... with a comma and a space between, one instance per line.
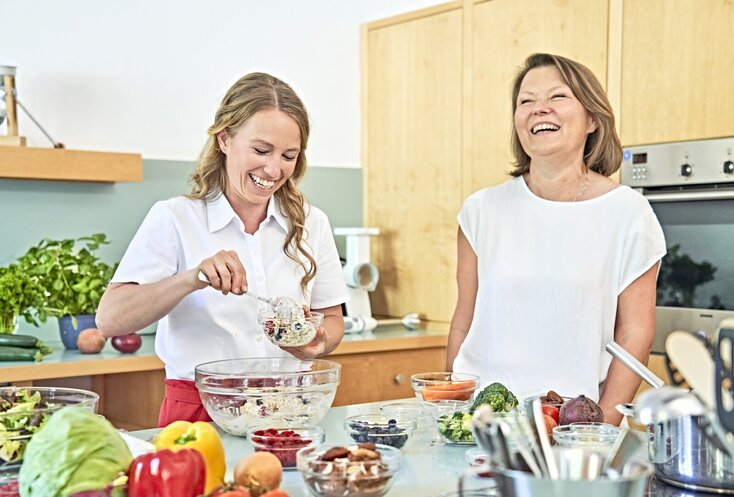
x=380, y=429
x=289, y=331
x=284, y=443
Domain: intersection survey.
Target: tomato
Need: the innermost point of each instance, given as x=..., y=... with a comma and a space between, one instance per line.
x=551, y=411
x=550, y=423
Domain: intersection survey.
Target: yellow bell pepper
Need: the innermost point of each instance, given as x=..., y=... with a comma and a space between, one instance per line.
x=202, y=437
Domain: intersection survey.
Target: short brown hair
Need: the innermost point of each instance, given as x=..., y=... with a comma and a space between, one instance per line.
x=603, y=151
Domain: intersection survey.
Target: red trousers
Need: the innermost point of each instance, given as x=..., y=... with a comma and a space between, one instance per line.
x=182, y=402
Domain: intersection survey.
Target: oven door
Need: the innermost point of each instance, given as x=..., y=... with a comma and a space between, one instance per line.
x=695, y=288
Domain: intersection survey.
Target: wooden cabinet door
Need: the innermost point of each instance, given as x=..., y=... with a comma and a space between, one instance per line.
x=504, y=34
x=412, y=161
x=677, y=70
x=378, y=376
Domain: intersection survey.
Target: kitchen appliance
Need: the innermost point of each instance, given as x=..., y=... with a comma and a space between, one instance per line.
x=361, y=276
x=690, y=186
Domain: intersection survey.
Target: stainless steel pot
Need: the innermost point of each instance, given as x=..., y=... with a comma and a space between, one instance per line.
x=683, y=455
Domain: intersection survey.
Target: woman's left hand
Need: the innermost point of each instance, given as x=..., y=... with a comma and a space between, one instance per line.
x=312, y=350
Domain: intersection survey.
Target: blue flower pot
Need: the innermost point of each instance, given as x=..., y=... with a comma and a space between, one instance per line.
x=69, y=333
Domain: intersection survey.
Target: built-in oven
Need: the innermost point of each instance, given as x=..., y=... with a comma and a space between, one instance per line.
x=690, y=186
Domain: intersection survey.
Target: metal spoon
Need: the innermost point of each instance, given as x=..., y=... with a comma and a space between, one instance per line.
x=284, y=307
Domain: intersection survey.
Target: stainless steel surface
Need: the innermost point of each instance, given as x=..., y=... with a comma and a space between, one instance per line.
x=543, y=440
x=691, y=188
x=684, y=163
x=684, y=443
x=684, y=456
x=688, y=196
x=667, y=403
x=520, y=484
x=625, y=449
x=634, y=365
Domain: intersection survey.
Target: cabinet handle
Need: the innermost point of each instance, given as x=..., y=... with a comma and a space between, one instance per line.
x=399, y=379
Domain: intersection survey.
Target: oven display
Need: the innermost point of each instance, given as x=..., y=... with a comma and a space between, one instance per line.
x=640, y=158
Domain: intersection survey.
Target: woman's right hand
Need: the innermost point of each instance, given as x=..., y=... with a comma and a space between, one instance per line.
x=225, y=273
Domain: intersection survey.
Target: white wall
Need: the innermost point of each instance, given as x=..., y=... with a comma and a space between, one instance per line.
x=147, y=75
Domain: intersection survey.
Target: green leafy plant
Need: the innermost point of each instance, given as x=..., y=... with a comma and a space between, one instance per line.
x=73, y=279
x=20, y=295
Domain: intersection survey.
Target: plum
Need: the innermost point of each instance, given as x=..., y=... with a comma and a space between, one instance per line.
x=580, y=410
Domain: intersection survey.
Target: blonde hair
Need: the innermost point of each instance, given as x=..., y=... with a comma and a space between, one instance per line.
x=602, y=151
x=249, y=95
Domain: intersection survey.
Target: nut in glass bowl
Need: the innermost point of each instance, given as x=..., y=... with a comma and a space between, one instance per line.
x=444, y=385
x=364, y=470
x=285, y=332
x=285, y=443
x=379, y=429
x=24, y=410
x=239, y=394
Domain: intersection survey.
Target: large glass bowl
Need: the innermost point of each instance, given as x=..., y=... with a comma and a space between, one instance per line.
x=356, y=472
x=444, y=385
x=24, y=410
x=239, y=394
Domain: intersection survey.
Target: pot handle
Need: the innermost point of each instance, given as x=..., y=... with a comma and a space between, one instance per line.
x=636, y=366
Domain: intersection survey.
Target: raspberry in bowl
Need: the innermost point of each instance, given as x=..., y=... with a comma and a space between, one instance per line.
x=284, y=443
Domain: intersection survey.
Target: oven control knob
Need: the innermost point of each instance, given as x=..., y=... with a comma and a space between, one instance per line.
x=728, y=167
x=686, y=170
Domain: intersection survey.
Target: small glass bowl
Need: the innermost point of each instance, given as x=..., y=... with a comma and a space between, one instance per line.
x=586, y=435
x=409, y=409
x=379, y=429
x=348, y=476
x=289, y=332
x=444, y=385
x=463, y=436
x=284, y=443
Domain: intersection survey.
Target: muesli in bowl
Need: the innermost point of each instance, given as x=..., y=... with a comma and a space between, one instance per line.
x=292, y=331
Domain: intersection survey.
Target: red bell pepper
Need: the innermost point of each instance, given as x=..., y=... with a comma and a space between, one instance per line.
x=166, y=473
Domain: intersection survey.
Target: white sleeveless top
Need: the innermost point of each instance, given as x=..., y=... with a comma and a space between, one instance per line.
x=549, y=276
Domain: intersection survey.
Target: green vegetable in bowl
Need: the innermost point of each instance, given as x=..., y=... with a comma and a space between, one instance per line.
x=496, y=396
x=18, y=420
x=456, y=427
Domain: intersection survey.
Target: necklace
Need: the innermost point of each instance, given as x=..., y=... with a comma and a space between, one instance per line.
x=583, y=189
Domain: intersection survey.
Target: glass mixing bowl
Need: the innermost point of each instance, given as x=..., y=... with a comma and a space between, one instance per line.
x=24, y=410
x=239, y=394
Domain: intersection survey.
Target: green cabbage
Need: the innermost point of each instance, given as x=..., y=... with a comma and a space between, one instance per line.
x=76, y=450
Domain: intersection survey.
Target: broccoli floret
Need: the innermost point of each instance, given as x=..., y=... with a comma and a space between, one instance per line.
x=496, y=396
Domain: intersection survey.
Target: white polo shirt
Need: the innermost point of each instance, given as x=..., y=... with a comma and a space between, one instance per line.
x=179, y=233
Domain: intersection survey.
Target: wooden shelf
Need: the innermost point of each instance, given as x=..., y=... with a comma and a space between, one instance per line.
x=69, y=165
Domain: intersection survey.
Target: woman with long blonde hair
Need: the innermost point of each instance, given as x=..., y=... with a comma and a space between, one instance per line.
x=245, y=226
